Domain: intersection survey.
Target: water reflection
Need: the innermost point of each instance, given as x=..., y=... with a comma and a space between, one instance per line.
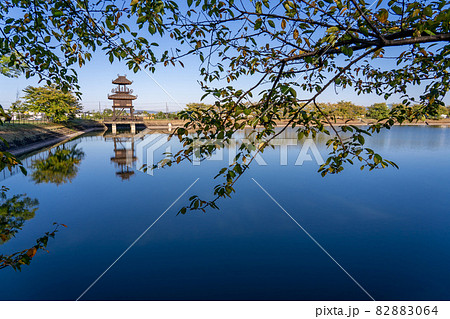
x=124, y=154
x=429, y=138
x=14, y=212
x=59, y=167
x=404, y=137
x=364, y=218
x=149, y=147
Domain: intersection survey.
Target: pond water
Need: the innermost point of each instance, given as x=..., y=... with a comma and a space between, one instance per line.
x=389, y=229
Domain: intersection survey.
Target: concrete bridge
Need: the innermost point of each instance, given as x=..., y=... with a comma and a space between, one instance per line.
x=131, y=123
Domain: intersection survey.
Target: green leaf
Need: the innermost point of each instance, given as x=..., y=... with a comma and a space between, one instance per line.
x=383, y=15
x=332, y=29
x=428, y=11
x=377, y=159
x=24, y=171
x=258, y=7
x=397, y=10
x=258, y=24
x=361, y=139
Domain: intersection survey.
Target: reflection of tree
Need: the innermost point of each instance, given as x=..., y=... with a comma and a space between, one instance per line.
x=60, y=166
x=14, y=211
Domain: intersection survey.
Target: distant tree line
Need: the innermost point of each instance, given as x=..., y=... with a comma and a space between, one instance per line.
x=162, y=115
x=349, y=111
x=346, y=110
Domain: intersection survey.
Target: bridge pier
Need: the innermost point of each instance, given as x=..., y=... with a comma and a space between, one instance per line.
x=123, y=123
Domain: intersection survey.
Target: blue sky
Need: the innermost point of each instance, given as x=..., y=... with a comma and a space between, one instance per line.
x=180, y=84
x=95, y=81
x=176, y=85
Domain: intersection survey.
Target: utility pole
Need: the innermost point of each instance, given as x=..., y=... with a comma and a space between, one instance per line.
x=167, y=111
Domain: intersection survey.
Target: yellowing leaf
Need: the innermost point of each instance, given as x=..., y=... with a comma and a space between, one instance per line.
x=31, y=252
x=383, y=15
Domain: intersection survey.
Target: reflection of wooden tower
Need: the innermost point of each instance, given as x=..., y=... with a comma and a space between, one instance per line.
x=122, y=99
x=123, y=157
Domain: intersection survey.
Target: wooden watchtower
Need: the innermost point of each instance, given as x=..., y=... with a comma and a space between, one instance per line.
x=122, y=99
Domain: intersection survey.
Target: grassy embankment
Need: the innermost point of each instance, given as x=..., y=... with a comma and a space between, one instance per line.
x=21, y=135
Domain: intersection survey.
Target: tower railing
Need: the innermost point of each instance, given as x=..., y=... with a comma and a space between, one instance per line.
x=122, y=90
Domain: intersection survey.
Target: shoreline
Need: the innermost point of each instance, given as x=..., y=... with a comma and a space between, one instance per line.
x=51, y=140
x=54, y=141
x=27, y=138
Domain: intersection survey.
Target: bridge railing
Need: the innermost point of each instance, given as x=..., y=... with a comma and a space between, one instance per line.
x=123, y=118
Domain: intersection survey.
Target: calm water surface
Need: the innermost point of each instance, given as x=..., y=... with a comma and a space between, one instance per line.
x=389, y=228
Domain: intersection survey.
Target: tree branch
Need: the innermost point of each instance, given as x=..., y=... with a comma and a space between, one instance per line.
x=388, y=43
x=375, y=29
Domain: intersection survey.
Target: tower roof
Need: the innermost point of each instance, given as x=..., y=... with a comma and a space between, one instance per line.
x=121, y=96
x=122, y=80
